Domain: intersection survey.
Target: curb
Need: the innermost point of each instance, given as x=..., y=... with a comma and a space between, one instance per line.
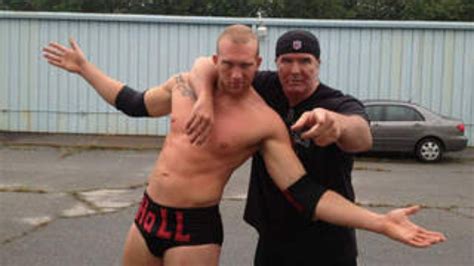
x=81, y=140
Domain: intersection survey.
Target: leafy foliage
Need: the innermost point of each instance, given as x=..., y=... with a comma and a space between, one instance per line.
x=449, y=10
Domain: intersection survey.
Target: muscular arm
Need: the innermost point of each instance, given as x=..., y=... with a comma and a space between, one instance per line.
x=286, y=171
x=203, y=76
x=280, y=160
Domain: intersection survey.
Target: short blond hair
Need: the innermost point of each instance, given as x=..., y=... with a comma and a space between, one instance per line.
x=239, y=34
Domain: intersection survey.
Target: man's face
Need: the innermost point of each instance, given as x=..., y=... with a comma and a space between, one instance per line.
x=298, y=73
x=236, y=65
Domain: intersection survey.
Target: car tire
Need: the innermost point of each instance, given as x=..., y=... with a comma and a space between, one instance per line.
x=429, y=150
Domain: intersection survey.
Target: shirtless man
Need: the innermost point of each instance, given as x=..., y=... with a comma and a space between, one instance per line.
x=178, y=221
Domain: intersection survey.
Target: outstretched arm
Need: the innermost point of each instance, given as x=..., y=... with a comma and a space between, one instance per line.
x=321, y=204
x=73, y=60
x=334, y=208
x=350, y=132
x=156, y=101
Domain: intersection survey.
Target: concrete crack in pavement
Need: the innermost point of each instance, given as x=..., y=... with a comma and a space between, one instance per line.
x=89, y=203
x=374, y=169
x=22, y=189
x=106, y=200
x=40, y=224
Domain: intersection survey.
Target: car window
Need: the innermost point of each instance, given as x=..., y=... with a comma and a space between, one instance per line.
x=375, y=112
x=401, y=113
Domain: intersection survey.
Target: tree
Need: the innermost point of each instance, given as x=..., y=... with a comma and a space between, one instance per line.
x=467, y=11
x=311, y=9
x=452, y=10
x=377, y=9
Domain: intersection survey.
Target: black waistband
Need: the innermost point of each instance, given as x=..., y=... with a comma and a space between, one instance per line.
x=197, y=210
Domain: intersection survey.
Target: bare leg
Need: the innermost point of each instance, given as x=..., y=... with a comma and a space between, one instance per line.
x=201, y=255
x=136, y=252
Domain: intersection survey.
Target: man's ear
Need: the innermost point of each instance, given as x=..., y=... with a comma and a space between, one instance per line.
x=214, y=58
x=276, y=61
x=259, y=61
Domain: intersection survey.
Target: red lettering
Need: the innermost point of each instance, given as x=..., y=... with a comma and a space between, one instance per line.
x=149, y=221
x=140, y=216
x=162, y=233
x=179, y=228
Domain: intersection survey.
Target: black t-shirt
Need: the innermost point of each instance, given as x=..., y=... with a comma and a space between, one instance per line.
x=267, y=209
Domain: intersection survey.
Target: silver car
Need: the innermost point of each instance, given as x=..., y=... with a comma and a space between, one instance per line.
x=407, y=127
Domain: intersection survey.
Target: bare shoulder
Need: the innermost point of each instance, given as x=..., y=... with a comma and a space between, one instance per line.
x=259, y=105
x=180, y=83
x=267, y=118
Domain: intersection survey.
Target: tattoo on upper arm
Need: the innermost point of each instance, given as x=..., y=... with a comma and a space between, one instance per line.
x=186, y=91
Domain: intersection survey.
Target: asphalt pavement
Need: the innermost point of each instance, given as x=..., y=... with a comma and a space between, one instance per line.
x=69, y=200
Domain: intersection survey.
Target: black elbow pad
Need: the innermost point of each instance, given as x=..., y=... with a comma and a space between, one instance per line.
x=131, y=102
x=304, y=195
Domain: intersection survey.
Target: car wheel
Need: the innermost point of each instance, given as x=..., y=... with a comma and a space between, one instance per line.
x=429, y=150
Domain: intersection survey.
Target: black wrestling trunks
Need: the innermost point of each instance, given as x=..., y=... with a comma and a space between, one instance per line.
x=166, y=227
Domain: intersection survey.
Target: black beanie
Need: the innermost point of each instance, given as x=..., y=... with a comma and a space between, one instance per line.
x=298, y=41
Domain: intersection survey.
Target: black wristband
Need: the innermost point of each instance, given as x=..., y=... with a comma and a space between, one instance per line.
x=304, y=195
x=131, y=102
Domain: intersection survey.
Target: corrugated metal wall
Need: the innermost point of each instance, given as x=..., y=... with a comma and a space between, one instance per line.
x=429, y=63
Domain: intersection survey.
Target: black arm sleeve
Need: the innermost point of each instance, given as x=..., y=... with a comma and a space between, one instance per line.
x=131, y=102
x=304, y=195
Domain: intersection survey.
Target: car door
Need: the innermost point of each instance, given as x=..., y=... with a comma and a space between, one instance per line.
x=376, y=114
x=400, y=128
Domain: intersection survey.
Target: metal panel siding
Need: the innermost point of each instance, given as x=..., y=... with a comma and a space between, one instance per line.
x=431, y=63
x=468, y=86
x=4, y=78
x=66, y=103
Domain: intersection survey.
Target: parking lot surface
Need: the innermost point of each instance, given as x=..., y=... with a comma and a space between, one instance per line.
x=70, y=201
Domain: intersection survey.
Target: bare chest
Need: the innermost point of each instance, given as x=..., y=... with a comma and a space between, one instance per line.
x=234, y=132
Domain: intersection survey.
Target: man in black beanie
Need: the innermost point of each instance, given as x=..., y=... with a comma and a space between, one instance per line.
x=326, y=126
